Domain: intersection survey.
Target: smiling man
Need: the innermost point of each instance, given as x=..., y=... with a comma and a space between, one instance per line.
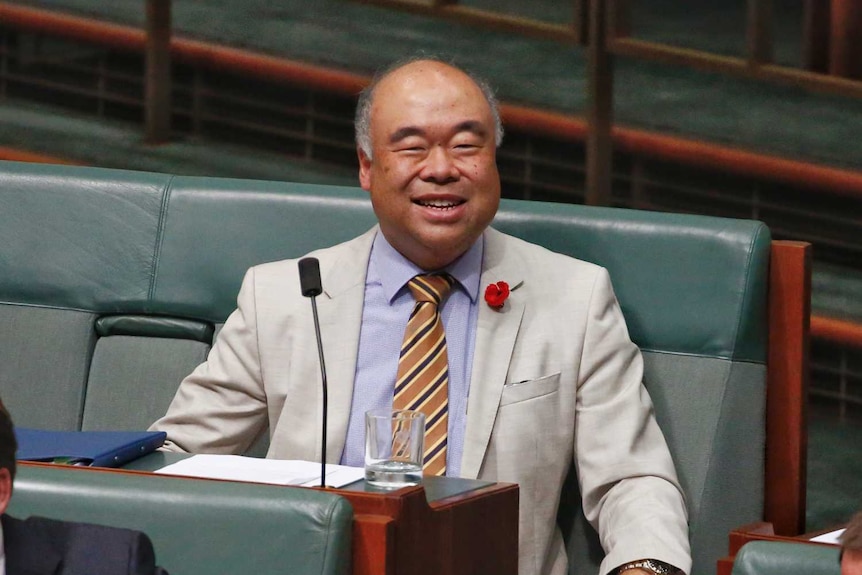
x=517, y=389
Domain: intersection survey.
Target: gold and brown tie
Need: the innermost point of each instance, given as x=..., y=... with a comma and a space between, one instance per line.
x=423, y=367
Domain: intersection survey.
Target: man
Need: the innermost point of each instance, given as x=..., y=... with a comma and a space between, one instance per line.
x=40, y=546
x=851, y=547
x=536, y=381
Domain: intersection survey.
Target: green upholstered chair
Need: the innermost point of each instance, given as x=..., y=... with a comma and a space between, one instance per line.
x=782, y=558
x=201, y=527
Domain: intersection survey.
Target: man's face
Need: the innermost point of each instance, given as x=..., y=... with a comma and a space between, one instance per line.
x=433, y=180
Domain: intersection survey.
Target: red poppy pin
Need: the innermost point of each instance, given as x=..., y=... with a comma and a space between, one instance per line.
x=496, y=294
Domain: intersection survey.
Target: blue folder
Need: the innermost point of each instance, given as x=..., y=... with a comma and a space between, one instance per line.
x=94, y=448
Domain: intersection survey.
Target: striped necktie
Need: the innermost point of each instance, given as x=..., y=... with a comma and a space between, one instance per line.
x=423, y=367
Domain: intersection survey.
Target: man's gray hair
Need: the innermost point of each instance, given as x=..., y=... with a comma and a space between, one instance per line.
x=362, y=122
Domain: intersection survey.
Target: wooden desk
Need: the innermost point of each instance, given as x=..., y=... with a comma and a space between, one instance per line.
x=760, y=531
x=400, y=532
x=447, y=526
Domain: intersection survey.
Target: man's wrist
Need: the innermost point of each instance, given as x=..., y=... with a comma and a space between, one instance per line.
x=651, y=566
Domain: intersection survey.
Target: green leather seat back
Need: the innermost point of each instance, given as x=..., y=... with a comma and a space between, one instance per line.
x=201, y=527
x=781, y=558
x=75, y=243
x=216, y=228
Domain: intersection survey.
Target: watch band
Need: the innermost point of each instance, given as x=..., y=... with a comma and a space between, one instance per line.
x=652, y=565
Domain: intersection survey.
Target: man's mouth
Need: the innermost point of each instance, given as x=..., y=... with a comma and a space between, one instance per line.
x=439, y=204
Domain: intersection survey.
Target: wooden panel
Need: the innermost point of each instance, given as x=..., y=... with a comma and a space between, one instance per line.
x=845, y=41
x=815, y=36
x=600, y=103
x=158, y=78
x=399, y=533
x=759, y=32
x=373, y=544
x=787, y=386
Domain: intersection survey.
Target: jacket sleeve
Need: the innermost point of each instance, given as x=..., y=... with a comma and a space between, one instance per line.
x=221, y=406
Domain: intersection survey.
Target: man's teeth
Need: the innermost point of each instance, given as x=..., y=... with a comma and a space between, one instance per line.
x=438, y=203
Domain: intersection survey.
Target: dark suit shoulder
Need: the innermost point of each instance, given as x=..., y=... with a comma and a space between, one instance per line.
x=86, y=548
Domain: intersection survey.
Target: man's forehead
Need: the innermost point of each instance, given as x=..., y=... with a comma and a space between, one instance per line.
x=424, y=74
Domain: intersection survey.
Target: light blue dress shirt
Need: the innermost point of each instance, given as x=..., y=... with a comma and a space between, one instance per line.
x=388, y=304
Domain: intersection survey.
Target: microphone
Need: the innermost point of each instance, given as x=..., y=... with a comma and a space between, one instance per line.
x=311, y=286
x=309, y=277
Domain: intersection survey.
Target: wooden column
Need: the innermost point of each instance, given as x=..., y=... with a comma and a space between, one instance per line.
x=845, y=50
x=600, y=97
x=157, y=101
x=815, y=36
x=759, y=32
x=787, y=386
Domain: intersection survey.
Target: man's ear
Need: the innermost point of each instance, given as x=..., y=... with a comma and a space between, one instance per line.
x=364, y=170
x=5, y=489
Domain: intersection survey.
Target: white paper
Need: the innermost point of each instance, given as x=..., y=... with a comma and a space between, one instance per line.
x=257, y=470
x=833, y=537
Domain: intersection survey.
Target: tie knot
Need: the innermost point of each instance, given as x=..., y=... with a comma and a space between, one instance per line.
x=431, y=288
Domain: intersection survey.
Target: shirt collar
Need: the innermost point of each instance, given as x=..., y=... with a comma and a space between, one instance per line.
x=392, y=270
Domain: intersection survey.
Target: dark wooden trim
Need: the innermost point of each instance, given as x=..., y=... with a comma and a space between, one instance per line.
x=837, y=331
x=581, y=21
x=787, y=386
x=158, y=83
x=815, y=36
x=13, y=155
x=845, y=39
x=600, y=105
x=759, y=32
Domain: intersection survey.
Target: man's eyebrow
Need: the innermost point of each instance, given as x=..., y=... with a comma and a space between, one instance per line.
x=473, y=126
x=403, y=133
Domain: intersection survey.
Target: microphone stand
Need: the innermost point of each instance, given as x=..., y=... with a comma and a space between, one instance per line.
x=310, y=283
x=325, y=391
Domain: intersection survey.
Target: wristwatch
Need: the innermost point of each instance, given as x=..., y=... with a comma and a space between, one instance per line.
x=652, y=565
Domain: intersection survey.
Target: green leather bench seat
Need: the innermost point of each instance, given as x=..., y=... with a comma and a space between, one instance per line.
x=201, y=527
x=111, y=283
x=781, y=558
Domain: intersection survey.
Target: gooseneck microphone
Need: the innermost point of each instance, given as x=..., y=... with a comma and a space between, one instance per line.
x=309, y=282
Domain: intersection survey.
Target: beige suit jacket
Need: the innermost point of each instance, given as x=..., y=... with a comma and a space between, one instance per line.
x=555, y=380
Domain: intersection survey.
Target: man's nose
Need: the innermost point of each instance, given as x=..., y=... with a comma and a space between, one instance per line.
x=439, y=166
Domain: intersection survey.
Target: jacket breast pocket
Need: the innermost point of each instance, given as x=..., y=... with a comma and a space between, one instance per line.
x=516, y=392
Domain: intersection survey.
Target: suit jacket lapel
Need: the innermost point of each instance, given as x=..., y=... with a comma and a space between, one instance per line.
x=340, y=314
x=496, y=331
